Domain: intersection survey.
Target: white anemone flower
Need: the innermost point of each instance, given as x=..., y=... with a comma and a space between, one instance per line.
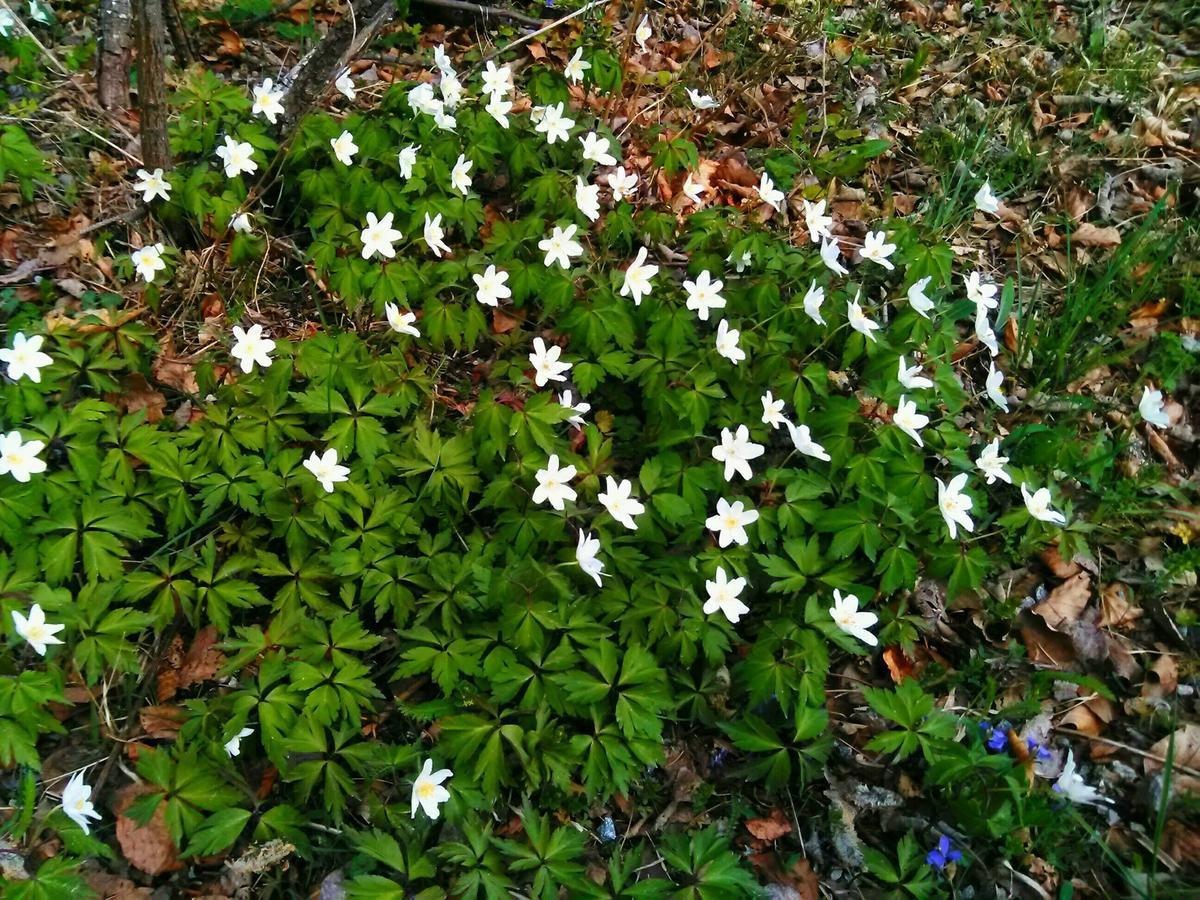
x=818, y=224
x=379, y=236
x=773, y=411
x=636, y=283
x=152, y=184
x=326, y=470
x=727, y=342
x=561, y=247
x=735, y=451
x=237, y=157
x=955, y=505
x=554, y=124
x=586, y=555
x=401, y=322
x=991, y=463
x=460, y=175
x=546, y=364
x=576, y=66
x=908, y=420
x=917, y=298
x=492, y=286
x=730, y=522
x=723, y=594
x=993, y=385
x=429, y=791
x=830, y=255
x=618, y=499
x=846, y=616
x=802, y=440
x=813, y=299
x=1150, y=406
x=251, y=347
x=876, y=248
x=267, y=101
x=25, y=359
x=344, y=148
x=554, y=484
x=35, y=630
x=770, y=195
x=567, y=401
x=986, y=201
x=435, y=235
x=77, y=802
x=148, y=261
x=911, y=378
x=623, y=185
x=595, y=149
x=704, y=294
x=1038, y=504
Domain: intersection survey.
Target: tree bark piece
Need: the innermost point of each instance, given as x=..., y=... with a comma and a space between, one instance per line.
x=308, y=80
x=152, y=84
x=115, y=54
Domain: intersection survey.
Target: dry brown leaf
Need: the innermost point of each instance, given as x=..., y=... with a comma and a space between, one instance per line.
x=231, y=43
x=1078, y=201
x=1047, y=648
x=1186, y=753
x=1117, y=609
x=147, y=847
x=899, y=666
x=162, y=722
x=1059, y=567
x=1181, y=842
x=502, y=322
x=1153, y=131
x=114, y=887
x=1066, y=602
x=1089, y=235
x=137, y=394
x=172, y=371
x=770, y=829
x=179, y=670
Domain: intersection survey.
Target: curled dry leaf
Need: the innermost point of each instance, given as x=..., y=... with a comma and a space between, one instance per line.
x=1162, y=679
x=1066, y=602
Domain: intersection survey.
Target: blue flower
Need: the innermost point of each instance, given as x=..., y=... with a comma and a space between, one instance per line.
x=943, y=854
x=1037, y=749
x=999, y=737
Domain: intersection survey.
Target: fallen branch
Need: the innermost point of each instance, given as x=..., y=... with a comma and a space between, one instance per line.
x=310, y=78
x=500, y=12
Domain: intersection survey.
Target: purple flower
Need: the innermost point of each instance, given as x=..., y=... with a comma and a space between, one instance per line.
x=943, y=854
